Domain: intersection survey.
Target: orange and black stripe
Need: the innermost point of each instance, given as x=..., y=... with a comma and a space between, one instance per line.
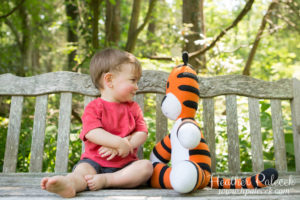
x=184, y=84
x=201, y=156
x=162, y=150
x=161, y=176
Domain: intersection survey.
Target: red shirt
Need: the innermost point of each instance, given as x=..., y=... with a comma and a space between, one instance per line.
x=120, y=119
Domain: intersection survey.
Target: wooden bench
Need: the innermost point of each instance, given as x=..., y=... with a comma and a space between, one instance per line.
x=26, y=185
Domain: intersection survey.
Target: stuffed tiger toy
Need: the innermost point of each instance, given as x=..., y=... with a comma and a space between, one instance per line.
x=185, y=146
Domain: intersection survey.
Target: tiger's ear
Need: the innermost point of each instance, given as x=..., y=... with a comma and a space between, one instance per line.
x=185, y=58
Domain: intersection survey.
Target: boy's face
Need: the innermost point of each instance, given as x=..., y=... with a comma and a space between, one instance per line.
x=124, y=83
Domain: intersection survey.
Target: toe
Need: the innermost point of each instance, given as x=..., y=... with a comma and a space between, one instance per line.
x=88, y=177
x=44, y=182
x=91, y=186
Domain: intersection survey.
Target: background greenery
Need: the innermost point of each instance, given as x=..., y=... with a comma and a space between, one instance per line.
x=34, y=39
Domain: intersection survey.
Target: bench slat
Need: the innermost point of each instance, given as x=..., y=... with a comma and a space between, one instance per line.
x=13, y=134
x=151, y=81
x=245, y=86
x=209, y=129
x=233, y=135
x=62, y=150
x=139, y=98
x=38, y=135
x=279, y=141
x=295, y=107
x=161, y=120
x=87, y=100
x=255, y=133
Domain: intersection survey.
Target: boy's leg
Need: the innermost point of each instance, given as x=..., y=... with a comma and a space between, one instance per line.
x=68, y=186
x=130, y=176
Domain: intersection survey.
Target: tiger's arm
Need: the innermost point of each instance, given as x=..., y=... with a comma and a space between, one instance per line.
x=162, y=151
x=189, y=134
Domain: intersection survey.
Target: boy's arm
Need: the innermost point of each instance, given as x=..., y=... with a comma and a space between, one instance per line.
x=137, y=138
x=101, y=137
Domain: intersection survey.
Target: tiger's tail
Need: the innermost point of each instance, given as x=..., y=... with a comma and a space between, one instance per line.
x=260, y=180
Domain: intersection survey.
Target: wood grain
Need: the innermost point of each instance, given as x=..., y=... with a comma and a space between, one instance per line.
x=232, y=134
x=64, y=122
x=13, y=134
x=255, y=134
x=150, y=82
x=295, y=107
x=209, y=129
x=38, y=134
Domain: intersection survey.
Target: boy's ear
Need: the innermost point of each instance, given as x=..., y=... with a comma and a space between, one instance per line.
x=108, y=79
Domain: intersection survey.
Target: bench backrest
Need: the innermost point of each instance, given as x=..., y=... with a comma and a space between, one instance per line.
x=67, y=83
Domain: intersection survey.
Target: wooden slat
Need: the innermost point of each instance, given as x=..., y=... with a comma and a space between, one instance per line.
x=139, y=98
x=151, y=82
x=38, y=135
x=279, y=141
x=161, y=120
x=245, y=86
x=209, y=129
x=62, y=150
x=255, y=133
x=13, y=134
x=61, y=81
x=233, y=135
x=87, y=100
x=295, y=107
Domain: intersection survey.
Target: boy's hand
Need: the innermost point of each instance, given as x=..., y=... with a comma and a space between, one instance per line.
x=124, y=148
x=106, y=151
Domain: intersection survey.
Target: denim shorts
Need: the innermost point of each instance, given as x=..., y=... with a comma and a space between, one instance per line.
x=99, y=169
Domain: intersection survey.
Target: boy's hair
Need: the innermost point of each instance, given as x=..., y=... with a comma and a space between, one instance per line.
x=110, y=60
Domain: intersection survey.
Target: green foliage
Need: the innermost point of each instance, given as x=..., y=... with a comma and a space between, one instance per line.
x=3, y=131
x=149, y=116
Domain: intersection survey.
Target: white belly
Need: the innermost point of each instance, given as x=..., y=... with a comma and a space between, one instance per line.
x=179, y=153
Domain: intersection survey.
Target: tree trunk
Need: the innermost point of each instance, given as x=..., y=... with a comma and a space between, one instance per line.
x=72, y=38
x=192, y=21
x=35, y=58
x=131, y=38
x=26, y=42
x=151, y=32
x=95, y=7
x=134, y=30
x=203, y=32
x=112, y=23
x=261, y=29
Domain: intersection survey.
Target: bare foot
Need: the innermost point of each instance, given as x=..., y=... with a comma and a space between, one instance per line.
x=59, y=185
x=96, y=182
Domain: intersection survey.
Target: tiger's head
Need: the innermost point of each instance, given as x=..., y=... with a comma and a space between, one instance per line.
x=182, y=92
